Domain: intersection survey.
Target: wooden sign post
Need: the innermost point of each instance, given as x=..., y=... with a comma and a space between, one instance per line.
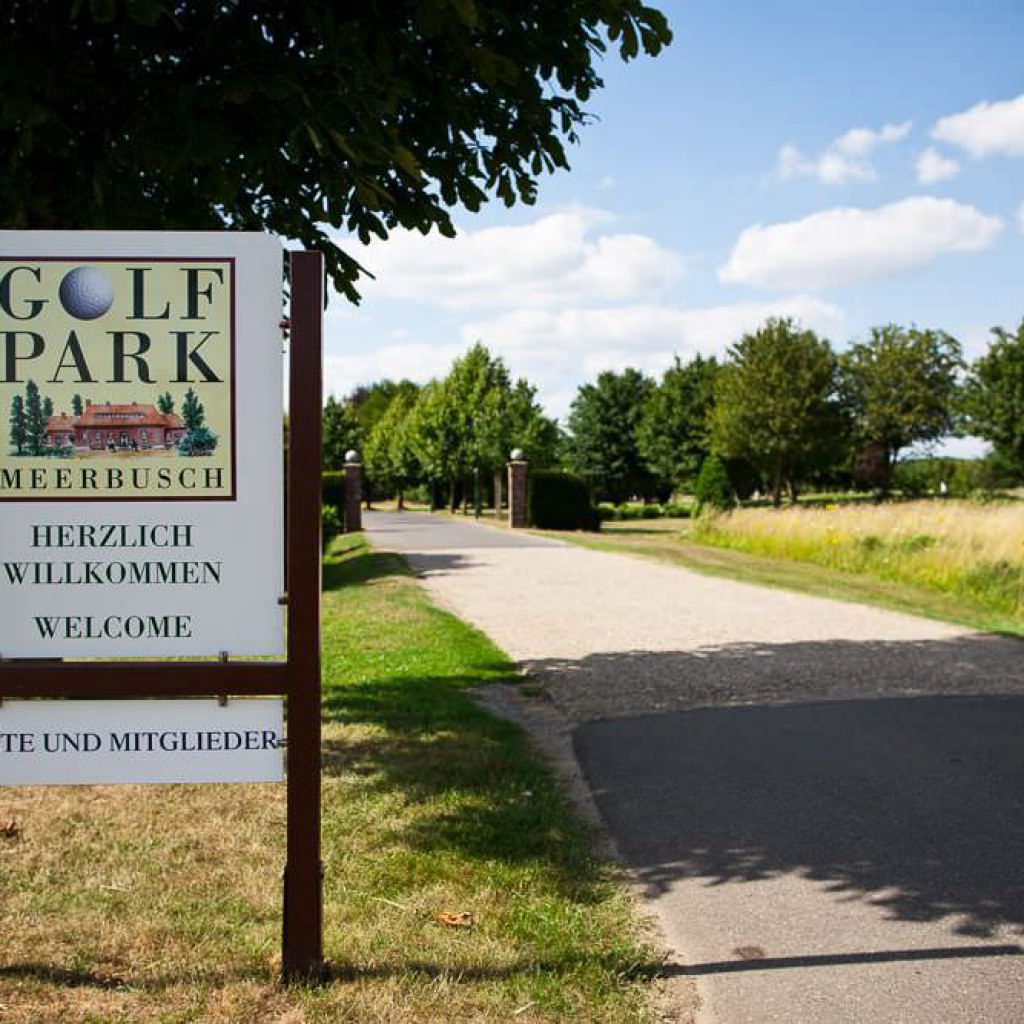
x=298, y=677
x=302, y=945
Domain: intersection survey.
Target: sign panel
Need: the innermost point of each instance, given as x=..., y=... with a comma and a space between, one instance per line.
x=96, y=742
x=141, y=492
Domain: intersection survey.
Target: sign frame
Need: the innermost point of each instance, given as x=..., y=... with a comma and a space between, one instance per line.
x=297, y=677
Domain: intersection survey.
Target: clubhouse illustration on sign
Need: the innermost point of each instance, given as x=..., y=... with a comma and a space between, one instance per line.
x=117, y=378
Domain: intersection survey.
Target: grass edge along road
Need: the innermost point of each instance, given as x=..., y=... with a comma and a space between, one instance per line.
x=677, y=542
x=163, y=903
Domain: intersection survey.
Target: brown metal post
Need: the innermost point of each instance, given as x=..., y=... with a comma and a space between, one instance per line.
x=302, y=932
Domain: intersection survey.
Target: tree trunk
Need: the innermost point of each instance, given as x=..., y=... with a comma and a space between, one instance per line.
x=777, y=487
x=498, y=478
x=451, y=495
x=401, y=500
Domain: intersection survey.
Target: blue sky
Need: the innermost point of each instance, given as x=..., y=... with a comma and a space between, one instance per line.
x=848, y=164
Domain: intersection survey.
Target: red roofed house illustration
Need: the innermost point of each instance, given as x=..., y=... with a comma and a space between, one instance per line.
x=105, y=425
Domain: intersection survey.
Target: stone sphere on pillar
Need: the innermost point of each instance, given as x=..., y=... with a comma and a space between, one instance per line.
x=517, y=455
x=352, y=455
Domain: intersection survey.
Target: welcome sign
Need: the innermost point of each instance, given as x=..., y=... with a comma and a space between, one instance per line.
x=141, y=493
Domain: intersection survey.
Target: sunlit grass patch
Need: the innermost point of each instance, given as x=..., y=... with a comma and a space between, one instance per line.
x=970, y=550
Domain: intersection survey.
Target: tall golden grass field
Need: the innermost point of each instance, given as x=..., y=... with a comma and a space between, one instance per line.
x=965, y=548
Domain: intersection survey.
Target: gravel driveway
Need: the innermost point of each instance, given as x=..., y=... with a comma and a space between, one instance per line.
x=824, y=801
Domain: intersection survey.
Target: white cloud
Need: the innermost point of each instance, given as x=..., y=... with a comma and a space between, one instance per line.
x=418, y=361
x=556, y=259
x=844, y=245
x=987, y=129
x=932, y=166
x=558, y=349
x=860, y=141
x=844, y=159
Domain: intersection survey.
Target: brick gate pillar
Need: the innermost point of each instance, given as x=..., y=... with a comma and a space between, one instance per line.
x=518, y=473
x=353, y=492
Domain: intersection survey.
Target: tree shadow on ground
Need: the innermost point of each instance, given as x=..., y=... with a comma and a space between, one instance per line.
x=492, y=798
x=822, y=760
x=364, y=566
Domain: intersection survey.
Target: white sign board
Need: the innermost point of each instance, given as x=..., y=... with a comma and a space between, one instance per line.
x=96, y=742
x=141, y=491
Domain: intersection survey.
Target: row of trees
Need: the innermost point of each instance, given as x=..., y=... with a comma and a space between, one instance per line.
x=453, y=434
x=783, y=411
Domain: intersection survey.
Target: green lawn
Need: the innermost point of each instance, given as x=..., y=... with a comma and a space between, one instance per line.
x=163, y=903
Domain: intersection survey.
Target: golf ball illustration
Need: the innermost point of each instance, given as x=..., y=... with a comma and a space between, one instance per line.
x=86, y=293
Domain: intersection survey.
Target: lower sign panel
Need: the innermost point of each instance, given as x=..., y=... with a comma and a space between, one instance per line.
x=99, y=742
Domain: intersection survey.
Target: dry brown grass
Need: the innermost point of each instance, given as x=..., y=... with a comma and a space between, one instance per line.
x=966, y=549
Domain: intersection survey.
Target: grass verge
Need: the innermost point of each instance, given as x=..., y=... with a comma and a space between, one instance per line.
x=675, y=542
x=163, y=903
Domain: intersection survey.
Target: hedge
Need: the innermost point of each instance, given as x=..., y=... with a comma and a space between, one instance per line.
x=560, y=501
x=332, y=492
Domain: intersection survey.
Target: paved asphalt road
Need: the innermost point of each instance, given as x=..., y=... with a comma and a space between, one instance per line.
x=823, y=802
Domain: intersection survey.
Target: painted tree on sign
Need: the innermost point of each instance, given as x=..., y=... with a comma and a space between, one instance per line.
x=18, y=425
x=192, y=412
x=76, y=405
x=164, y=403
x=35, y=421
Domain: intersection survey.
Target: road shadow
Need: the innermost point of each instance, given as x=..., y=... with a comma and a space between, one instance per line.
x=624, y=683
x=438, y=564
x=811, y=759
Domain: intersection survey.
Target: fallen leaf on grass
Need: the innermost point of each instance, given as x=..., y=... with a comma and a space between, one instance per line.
x=748, y=952
x=10, y=829
x=460, y=920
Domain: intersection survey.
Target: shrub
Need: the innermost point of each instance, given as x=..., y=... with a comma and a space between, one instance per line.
x=330, y=524
x=560, y=501
x=200, y=441
x=620, y=513
x=332, y=488
x=673, y=510
x=713, y=488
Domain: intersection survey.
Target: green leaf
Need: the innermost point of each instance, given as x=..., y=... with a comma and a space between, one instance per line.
x=103, y=11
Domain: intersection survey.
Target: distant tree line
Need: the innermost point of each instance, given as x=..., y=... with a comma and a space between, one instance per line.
x=450, y=439
x=783, y=412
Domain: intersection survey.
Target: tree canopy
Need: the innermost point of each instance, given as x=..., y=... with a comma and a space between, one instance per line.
x=295, y=118
x=603, y=423
x=674, y=433
x=341, y=433
x=775, y=402
x=900, y=387
x=994, y=397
